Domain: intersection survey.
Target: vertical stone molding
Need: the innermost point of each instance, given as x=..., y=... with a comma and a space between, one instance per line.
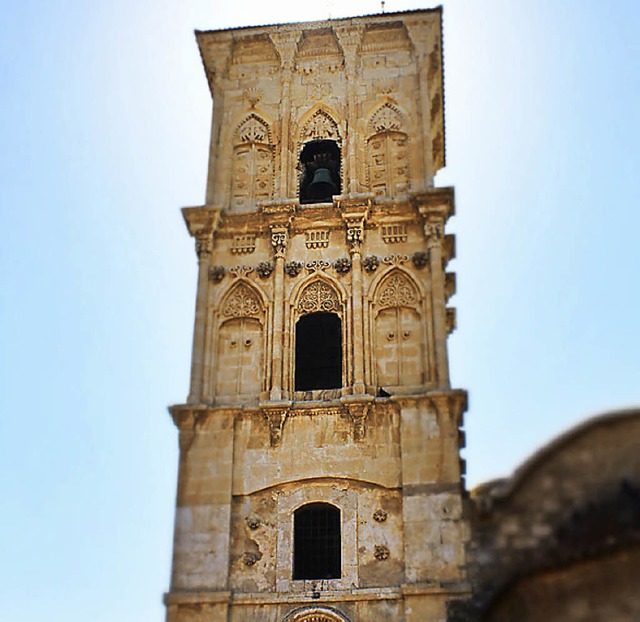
x=202, y=223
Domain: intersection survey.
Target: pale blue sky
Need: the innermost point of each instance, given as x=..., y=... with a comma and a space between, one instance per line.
x=105, y=114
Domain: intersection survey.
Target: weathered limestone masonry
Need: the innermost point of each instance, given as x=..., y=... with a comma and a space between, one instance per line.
x=319, y=380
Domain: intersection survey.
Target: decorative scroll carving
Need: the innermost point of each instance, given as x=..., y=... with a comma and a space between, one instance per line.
x=315, y=266
x=279, y=239
x=238, y=271
x=394, y=232
x=320, y=126
x=397, y=291
x=241, y=302
x=394, y=260
x=319, y=296
x=252, y=162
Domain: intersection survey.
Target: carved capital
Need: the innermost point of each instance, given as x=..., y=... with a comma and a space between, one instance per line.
x=357, y=413
x=275, y=417
x=202, y=223
x=279, y=239
x=187, y=419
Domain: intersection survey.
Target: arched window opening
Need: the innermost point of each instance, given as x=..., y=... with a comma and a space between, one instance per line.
x=318, y=352
x=320, y=163
x=316, y=542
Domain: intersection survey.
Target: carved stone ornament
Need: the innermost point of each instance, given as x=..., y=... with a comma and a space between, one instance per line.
x=253, y=522
x=420, y=259
x=253, y=95
x=242, y=244
x=204, y=246
x=434, y=231
x=238, y=271
x=319, y=296
x=315, y=614
x=216, y=273
x=241, y=302
x=380, y=516
x=264, y=269
x=394, y=260
x=293, y=268
x=358, y=415
x=275, y=418
x=315, y=266
x=451, y=320
x=250, y=559
x=342, y=265
x=370, y=263
x=320, y=126
x=381, y=552
x=397, y=291
x=279, y=239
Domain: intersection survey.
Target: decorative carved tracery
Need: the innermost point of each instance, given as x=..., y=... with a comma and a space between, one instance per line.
x=252, y=162
x=387, y=152
x=316, y=614
x=397, y=291
x=320, y=126
x=319, y=296
x=242, y=302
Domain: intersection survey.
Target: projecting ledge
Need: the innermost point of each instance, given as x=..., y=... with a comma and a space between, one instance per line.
x=195, y=598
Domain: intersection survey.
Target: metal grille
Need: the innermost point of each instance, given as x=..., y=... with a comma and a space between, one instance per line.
x=316, y=542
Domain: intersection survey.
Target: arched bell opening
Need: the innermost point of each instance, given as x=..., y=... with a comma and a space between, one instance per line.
x=320, y=164
x=316, y=542
x=318, y=363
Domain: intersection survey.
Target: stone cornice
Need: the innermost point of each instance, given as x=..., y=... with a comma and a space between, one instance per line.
x=201, y=220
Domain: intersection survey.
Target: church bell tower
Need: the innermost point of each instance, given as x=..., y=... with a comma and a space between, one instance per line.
x=319, y=474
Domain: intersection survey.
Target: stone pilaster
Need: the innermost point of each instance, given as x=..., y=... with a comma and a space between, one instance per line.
x=202, y=223
x=355, y=209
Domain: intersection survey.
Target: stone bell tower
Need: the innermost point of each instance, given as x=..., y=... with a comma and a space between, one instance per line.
x=319, y=476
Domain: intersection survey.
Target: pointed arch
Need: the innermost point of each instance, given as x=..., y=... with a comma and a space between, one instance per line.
x=388, y=171
x=325, y=288
x=399, y=338
x=253, y=168
x=240, y=343
x=319, y=123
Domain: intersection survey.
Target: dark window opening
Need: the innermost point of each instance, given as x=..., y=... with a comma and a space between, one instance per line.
x=318, y=352
x=316, y=542
x=320, y=180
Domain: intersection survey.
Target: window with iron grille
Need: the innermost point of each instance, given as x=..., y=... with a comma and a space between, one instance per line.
x=316, y=542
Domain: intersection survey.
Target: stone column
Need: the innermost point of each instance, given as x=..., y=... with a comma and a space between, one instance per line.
x=202, y=223
x=285, y=43
x=434, y=220
x=350, y=37
x=354, y=212
x=279, y=239
x=419, y=33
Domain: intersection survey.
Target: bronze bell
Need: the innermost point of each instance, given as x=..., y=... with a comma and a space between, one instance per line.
x=322, y=186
